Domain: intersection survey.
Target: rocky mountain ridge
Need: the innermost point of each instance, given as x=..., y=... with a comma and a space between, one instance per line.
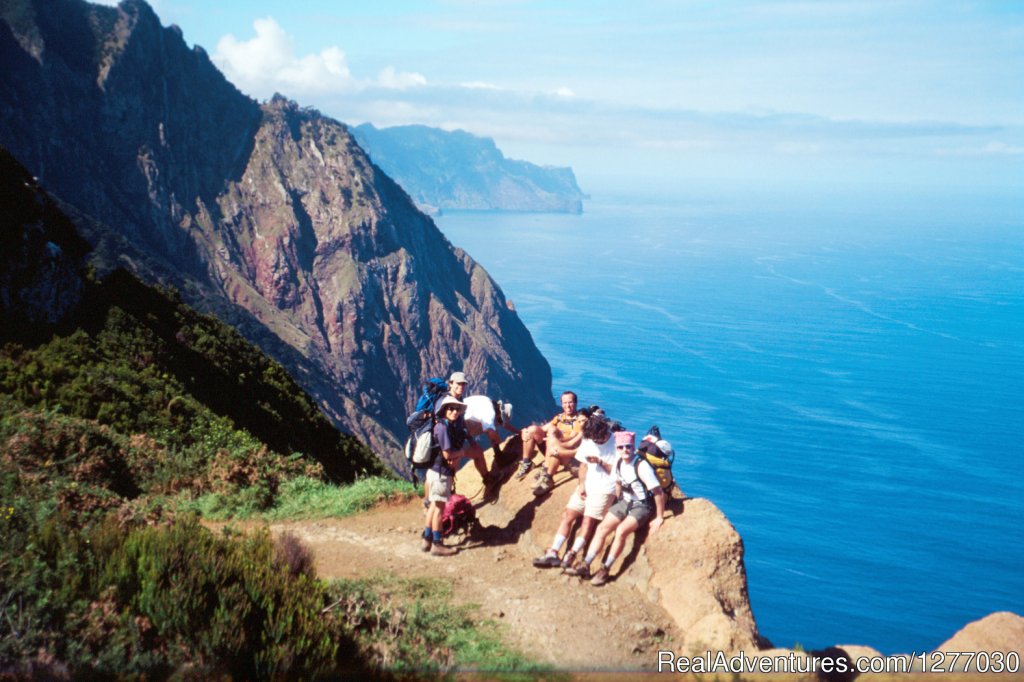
x=270, y=216
x=456, y=170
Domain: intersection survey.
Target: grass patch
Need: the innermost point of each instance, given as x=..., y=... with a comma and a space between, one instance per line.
x=302, y=498
x=411, y=628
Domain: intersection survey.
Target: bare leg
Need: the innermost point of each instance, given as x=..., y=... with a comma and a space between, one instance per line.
x=473, y=451
x=608, y=525
x=569, y=519
x=625, y=529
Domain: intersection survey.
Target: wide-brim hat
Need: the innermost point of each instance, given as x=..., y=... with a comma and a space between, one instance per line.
x=458, y=378
x=450, y=400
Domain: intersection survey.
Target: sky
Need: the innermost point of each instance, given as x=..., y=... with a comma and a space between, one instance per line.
x=893, y=93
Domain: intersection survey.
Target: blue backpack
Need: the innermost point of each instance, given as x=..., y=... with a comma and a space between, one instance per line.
x=433, y=389
x=420, y=448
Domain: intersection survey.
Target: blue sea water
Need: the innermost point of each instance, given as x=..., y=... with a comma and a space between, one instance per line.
x=842, y=376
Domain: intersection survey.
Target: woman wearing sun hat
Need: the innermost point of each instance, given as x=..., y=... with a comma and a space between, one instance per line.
x=449, y=438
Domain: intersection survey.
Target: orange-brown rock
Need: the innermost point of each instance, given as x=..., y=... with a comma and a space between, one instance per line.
x=693, y=567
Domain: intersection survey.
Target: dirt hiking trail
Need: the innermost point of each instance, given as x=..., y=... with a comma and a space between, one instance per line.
x=550, y=617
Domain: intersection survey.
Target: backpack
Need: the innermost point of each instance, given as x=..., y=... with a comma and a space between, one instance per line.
x=458, y=515
x=433, y=389
x=636, y=473
x=421, y=446
x=660, y=455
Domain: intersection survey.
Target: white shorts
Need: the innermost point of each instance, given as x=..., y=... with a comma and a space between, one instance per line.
x=593, y=506
x=439, y=486
x=480, y=409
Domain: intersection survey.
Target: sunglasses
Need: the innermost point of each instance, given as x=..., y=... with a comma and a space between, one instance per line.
x=623, y=447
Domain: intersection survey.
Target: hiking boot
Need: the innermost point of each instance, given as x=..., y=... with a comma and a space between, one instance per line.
x=580, y=570
x=524, y=468
x=568, y=560
x=600, y=578
x=549, y=560
x=544, y=485
x=425, y=544
x=441, y=550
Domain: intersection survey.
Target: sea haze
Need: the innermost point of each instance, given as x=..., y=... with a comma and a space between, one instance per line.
x=841, y=376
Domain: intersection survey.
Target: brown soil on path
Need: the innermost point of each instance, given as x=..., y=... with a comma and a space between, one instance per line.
x=550, y=617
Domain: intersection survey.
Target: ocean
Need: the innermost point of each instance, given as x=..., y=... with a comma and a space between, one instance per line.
x=841, y=375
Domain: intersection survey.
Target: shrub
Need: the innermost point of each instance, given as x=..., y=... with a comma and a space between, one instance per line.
x=111, y=600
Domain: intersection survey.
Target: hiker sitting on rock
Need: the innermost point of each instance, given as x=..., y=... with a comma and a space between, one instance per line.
x=641, y=501
x=457, y=383
x=486, y=416
x=592, y=497
x=449, y=437
x=561, y=437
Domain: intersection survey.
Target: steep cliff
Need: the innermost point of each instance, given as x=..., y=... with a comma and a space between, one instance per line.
x=457, y=170
x=270, y=216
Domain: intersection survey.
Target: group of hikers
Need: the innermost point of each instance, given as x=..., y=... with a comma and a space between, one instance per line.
x=618, y=491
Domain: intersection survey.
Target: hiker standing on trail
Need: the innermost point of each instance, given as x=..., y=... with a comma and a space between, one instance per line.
x=641, y=501
x=450, y=440
x=561, y=437
x=457, y=383
x=592, y=497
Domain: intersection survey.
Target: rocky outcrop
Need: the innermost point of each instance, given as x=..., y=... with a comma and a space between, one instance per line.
x=1001, y=632
x=270, y=216
x=693, y=567
x=457, y=170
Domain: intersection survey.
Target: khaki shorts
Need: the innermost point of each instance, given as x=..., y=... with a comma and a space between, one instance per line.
x=593, y=506
x=439, y=486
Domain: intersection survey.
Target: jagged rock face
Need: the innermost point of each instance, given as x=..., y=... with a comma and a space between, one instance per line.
x=360, y=279
x=271, y=216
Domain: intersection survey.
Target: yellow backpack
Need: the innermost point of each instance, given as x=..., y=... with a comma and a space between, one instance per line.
x=660, y=455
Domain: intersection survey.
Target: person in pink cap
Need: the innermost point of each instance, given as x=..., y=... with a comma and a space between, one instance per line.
x=640, y=501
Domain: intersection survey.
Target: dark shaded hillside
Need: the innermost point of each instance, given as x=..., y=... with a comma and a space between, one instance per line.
x=137, y=360
x=456, y=170
x=271, y=216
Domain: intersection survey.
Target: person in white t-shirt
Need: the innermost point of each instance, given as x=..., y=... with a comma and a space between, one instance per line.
x=594, y=493
x=486, y=416
x=641, y=501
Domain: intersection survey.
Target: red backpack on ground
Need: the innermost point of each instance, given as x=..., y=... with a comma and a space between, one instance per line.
x=458, y=515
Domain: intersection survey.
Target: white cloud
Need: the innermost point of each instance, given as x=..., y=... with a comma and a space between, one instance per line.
x=478, y=85
x=267, y=63
x=565, y=92
x=389, y=78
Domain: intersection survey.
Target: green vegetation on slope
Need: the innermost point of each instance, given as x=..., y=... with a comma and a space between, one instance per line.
x=144, y=363
x=410, y=628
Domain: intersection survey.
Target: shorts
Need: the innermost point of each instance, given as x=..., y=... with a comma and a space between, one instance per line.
x=638, y=510
x=439, y=486
x=592, y=506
